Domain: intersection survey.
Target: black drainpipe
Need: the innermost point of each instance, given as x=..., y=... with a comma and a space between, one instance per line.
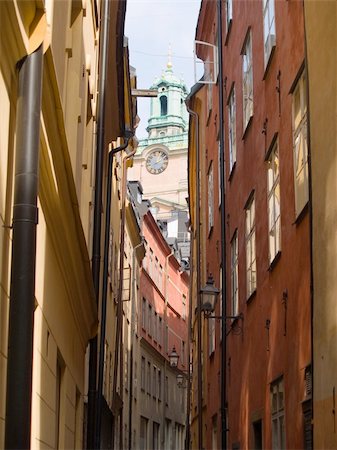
x=223, y=384
x=96, y=245
x=22, y=289
x=104, y=294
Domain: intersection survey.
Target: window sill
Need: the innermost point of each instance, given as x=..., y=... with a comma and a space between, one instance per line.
x=302, y=214
x=251, y=297
x=248, y=126
x=270, y=58
x=274, y=261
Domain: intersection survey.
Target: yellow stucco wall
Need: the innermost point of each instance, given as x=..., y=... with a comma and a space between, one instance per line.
x=320, y=17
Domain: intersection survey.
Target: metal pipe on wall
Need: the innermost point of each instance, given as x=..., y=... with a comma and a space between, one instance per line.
x=104, y=294
x=223, y=384
x=119, y=327
x=22, y=289
x=198, y=272
x=96, y=245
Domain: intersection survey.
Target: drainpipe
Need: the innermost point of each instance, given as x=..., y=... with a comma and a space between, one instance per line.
x=188, y=412
x=96, y=245
x=311, y=228
x=133, y=334
x=119, y=326
x=223, y=384
x=166, y=349
x=22, y=289
x=104, y=294
x=199, y=329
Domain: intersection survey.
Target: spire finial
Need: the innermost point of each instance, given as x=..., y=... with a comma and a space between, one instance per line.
x=169, y=59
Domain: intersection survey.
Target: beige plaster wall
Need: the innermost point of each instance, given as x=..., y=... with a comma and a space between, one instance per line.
x=321, y=43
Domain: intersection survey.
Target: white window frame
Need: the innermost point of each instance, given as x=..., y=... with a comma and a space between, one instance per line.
x=229, y=14
x=210, y=197
x=269, y=30
x=277, y=399
x=232, y=129
x=274, y=203
x=250, y=247
x=301, y=169
x=235, y=274
x=247, y=80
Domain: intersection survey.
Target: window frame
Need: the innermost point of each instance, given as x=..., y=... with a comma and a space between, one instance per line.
x=247, y=80
x=300, y=132
x=235, y=274
x=231, y=105
x=210, y=197
x=278, y=415
x=250, y=238
x=270, y=24
x=274, y=228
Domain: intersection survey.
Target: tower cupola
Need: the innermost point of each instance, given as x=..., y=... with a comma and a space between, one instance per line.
x=168, y=114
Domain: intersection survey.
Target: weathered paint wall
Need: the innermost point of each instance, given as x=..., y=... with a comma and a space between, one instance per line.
x=321, y=22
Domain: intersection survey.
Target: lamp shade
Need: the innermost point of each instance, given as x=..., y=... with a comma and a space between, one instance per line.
x=209, y=294
x=173, y=358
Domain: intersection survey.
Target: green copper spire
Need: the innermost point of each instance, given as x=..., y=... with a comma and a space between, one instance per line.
x=168, y=115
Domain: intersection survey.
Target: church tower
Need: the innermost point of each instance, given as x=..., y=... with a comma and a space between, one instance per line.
x=160, y=163
x=168, y=115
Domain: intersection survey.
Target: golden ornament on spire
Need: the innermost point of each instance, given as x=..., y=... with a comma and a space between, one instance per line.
x=169, y=61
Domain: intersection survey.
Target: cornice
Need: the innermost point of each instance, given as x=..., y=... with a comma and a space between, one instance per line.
x=60, y=206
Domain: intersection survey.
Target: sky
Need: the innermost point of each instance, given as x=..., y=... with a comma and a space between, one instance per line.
x=151, y=26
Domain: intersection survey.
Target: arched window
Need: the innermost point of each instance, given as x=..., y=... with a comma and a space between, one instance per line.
x=163, y=105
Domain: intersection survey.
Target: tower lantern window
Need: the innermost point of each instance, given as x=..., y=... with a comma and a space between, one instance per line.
x=163, y=105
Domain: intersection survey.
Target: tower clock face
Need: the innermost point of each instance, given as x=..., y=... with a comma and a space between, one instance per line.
x=156, y=162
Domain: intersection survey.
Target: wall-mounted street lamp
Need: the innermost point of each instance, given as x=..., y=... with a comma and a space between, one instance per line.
x=209, y=294
x=173, y=357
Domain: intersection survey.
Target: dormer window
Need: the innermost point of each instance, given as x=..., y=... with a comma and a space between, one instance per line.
x=163, y=105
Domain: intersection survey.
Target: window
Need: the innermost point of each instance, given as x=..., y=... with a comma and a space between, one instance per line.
x=143, y=434
x=210, y=198
x=247, y=78
x=300, y=145
x=149, y=377
x=250, y=247
x=214, y=433
x=160, y=330
x=278, y=415
x=182, y=359
x=144, y=314
x=257, y=429
x=155, y=326
x=234, y=275
x=274, y=210
x=154, y=382
x=220, y=300
x=142, y=374
x=150, y=320
x=183, y=313
x=269, y=34
x=159, y=384
x=219, y=173
x=229, y=13
x=232, y=129
x=163, y=105
x=211, y=336
x=155, y=436
x=166, y=390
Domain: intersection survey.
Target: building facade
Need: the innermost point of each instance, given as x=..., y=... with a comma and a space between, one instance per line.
x=267, y=311
x=320, y=21
x=161, y=326
x=65, y=313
